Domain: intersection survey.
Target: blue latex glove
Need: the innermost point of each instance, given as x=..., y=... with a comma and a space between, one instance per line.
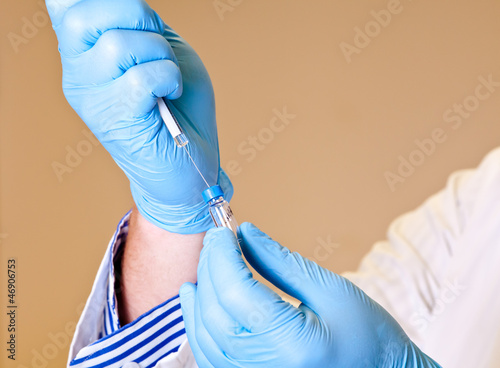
x=118, y=57
x=232, y=320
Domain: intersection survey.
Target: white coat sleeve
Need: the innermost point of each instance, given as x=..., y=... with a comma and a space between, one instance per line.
x=437, y=273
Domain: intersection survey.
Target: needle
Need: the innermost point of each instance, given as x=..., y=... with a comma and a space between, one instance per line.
x=199, y=172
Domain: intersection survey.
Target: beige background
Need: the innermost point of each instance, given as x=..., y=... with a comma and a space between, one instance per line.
x=322, y=176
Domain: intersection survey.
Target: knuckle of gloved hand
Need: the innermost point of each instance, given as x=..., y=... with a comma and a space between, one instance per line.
x=137, y=84
x=111, y=45
x=160, y=76
x=169, y=75
x=75, y=23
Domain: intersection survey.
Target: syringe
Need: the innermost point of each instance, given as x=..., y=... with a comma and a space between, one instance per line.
x=175, y=130
x=172, y=124
x=214, y=196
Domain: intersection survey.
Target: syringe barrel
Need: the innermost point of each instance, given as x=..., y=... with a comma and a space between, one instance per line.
x=172, y=124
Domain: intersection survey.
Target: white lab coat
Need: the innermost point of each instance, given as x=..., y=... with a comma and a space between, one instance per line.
x=438, y=274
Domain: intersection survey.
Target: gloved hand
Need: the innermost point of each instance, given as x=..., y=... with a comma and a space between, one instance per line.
x=118, y=56
x=232, y=320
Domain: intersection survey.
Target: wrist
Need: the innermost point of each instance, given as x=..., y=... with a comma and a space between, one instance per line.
x=154, y=264
x=192, y=218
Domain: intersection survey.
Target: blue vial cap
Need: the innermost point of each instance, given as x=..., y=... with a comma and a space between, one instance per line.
x=214, y=191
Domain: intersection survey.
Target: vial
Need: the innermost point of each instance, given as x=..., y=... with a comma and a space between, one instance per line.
x=219, y=208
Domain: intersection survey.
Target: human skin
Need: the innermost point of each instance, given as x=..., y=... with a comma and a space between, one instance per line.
x=154, y=265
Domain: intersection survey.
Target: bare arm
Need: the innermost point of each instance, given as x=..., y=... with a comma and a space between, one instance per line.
x=154, y=265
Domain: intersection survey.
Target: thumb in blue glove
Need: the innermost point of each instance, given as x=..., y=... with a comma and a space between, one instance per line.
x=232, y=320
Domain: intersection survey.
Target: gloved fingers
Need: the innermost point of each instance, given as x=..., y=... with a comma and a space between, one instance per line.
x=223, y=329
x=57, y=9
x=140, y=129
x=250, y=303
x=214, y=354
x=116, y=51
x=289, y=271
x=273, y=261
x=79, y=27
x=142, y=84
x=188, y=295
x=238, y=343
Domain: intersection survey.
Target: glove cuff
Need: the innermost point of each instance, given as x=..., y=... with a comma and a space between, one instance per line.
x=179, y=218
